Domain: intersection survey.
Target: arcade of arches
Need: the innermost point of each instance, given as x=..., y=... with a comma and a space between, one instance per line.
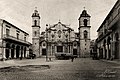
x=12, y=51
x=109, y=49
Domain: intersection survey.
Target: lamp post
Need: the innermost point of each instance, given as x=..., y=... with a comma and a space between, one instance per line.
x=46, y=43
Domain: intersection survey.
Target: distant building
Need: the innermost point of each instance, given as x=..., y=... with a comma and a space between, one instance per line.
x=108, y=41
x=13, y=41
x=60, y=38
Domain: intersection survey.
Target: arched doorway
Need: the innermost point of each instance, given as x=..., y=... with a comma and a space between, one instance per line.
x=25, y=52
x=7, y=50
x=105, y=50
x=12, y=51
x=44, y=52
x=116, y=46
x=59, y=48
x=75, y=52
x=108, y=46
x=21, y=52
x=17, y=51
x=101, y=53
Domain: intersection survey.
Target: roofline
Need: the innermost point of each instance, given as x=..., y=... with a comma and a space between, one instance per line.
x=66, y=26
x=14, y=26
x=108, y=15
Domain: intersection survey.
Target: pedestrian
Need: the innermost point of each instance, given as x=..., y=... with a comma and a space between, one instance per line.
x=72, y=58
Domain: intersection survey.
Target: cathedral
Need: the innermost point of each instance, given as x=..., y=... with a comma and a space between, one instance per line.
x=61, y=38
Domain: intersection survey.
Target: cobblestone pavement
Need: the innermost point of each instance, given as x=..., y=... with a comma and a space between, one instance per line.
x=79, y=69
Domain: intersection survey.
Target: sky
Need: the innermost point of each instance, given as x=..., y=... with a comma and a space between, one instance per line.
x=19, y=12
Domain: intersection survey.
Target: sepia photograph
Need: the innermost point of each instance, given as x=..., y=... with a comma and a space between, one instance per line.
x=59, y=39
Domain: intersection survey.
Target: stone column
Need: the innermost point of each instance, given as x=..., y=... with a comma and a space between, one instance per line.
x=103, y=51
x=15, y=52
x=51, y=50
x=4, y=51
x=10, y=53
x=107, y=51
x=27, y=51
x=40, y=50
x=63, y=48
x=119, y=48
x=55, y=49
x=23, y=53
x=71, y=49
x=20, y=52
x=98, y=52
x=112, y=49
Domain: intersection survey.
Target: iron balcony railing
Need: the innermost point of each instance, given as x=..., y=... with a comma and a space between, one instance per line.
x=5, y=36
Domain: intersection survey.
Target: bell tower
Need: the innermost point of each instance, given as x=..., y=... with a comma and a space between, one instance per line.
x=84, y=32
x=36, y=32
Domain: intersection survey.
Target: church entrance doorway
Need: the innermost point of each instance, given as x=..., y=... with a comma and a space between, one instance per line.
x=59, y=48
x=43, y=51
x=74, y=51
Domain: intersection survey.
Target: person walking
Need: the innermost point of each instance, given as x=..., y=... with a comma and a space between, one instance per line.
x=72, y=58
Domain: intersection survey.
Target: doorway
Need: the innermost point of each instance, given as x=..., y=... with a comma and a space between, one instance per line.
x=43, y=51
x=74, y=51
x=59, y=48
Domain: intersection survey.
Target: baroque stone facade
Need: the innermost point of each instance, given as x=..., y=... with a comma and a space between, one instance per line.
x=61, y=38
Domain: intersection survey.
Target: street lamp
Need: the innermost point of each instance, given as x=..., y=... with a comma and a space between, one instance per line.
x=46, y=42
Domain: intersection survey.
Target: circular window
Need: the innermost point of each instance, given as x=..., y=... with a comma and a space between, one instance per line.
x=43, y=44
x=75, y=45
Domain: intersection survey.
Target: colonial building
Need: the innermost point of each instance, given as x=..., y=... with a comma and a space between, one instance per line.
x=108, y=41
x=61, y=38
x=13, y=41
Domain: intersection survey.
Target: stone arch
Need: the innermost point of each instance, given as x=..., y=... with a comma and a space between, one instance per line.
x=109, y=40
x=116, y=46
x=35, y=22
x=104, y=42
x=85, y=34
x=17, y=51
x=116, y=37
x=25, y=52
x=108, y=46
x=35, y=33
x=85, y=22
x=7, y=50
x=21, y=52
x=105, y=50
x=12, y=51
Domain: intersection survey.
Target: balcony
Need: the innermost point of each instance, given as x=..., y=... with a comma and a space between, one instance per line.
x=102, y=36
x=114, y=21
x=12, y=38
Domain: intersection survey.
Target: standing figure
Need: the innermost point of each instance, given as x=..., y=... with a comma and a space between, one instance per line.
x=72, y=58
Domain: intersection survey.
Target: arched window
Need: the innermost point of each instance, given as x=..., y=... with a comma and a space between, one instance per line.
x=117, y=37
x=85, y=34
x=35, y=22
x=85, y=22
x=35, y=33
